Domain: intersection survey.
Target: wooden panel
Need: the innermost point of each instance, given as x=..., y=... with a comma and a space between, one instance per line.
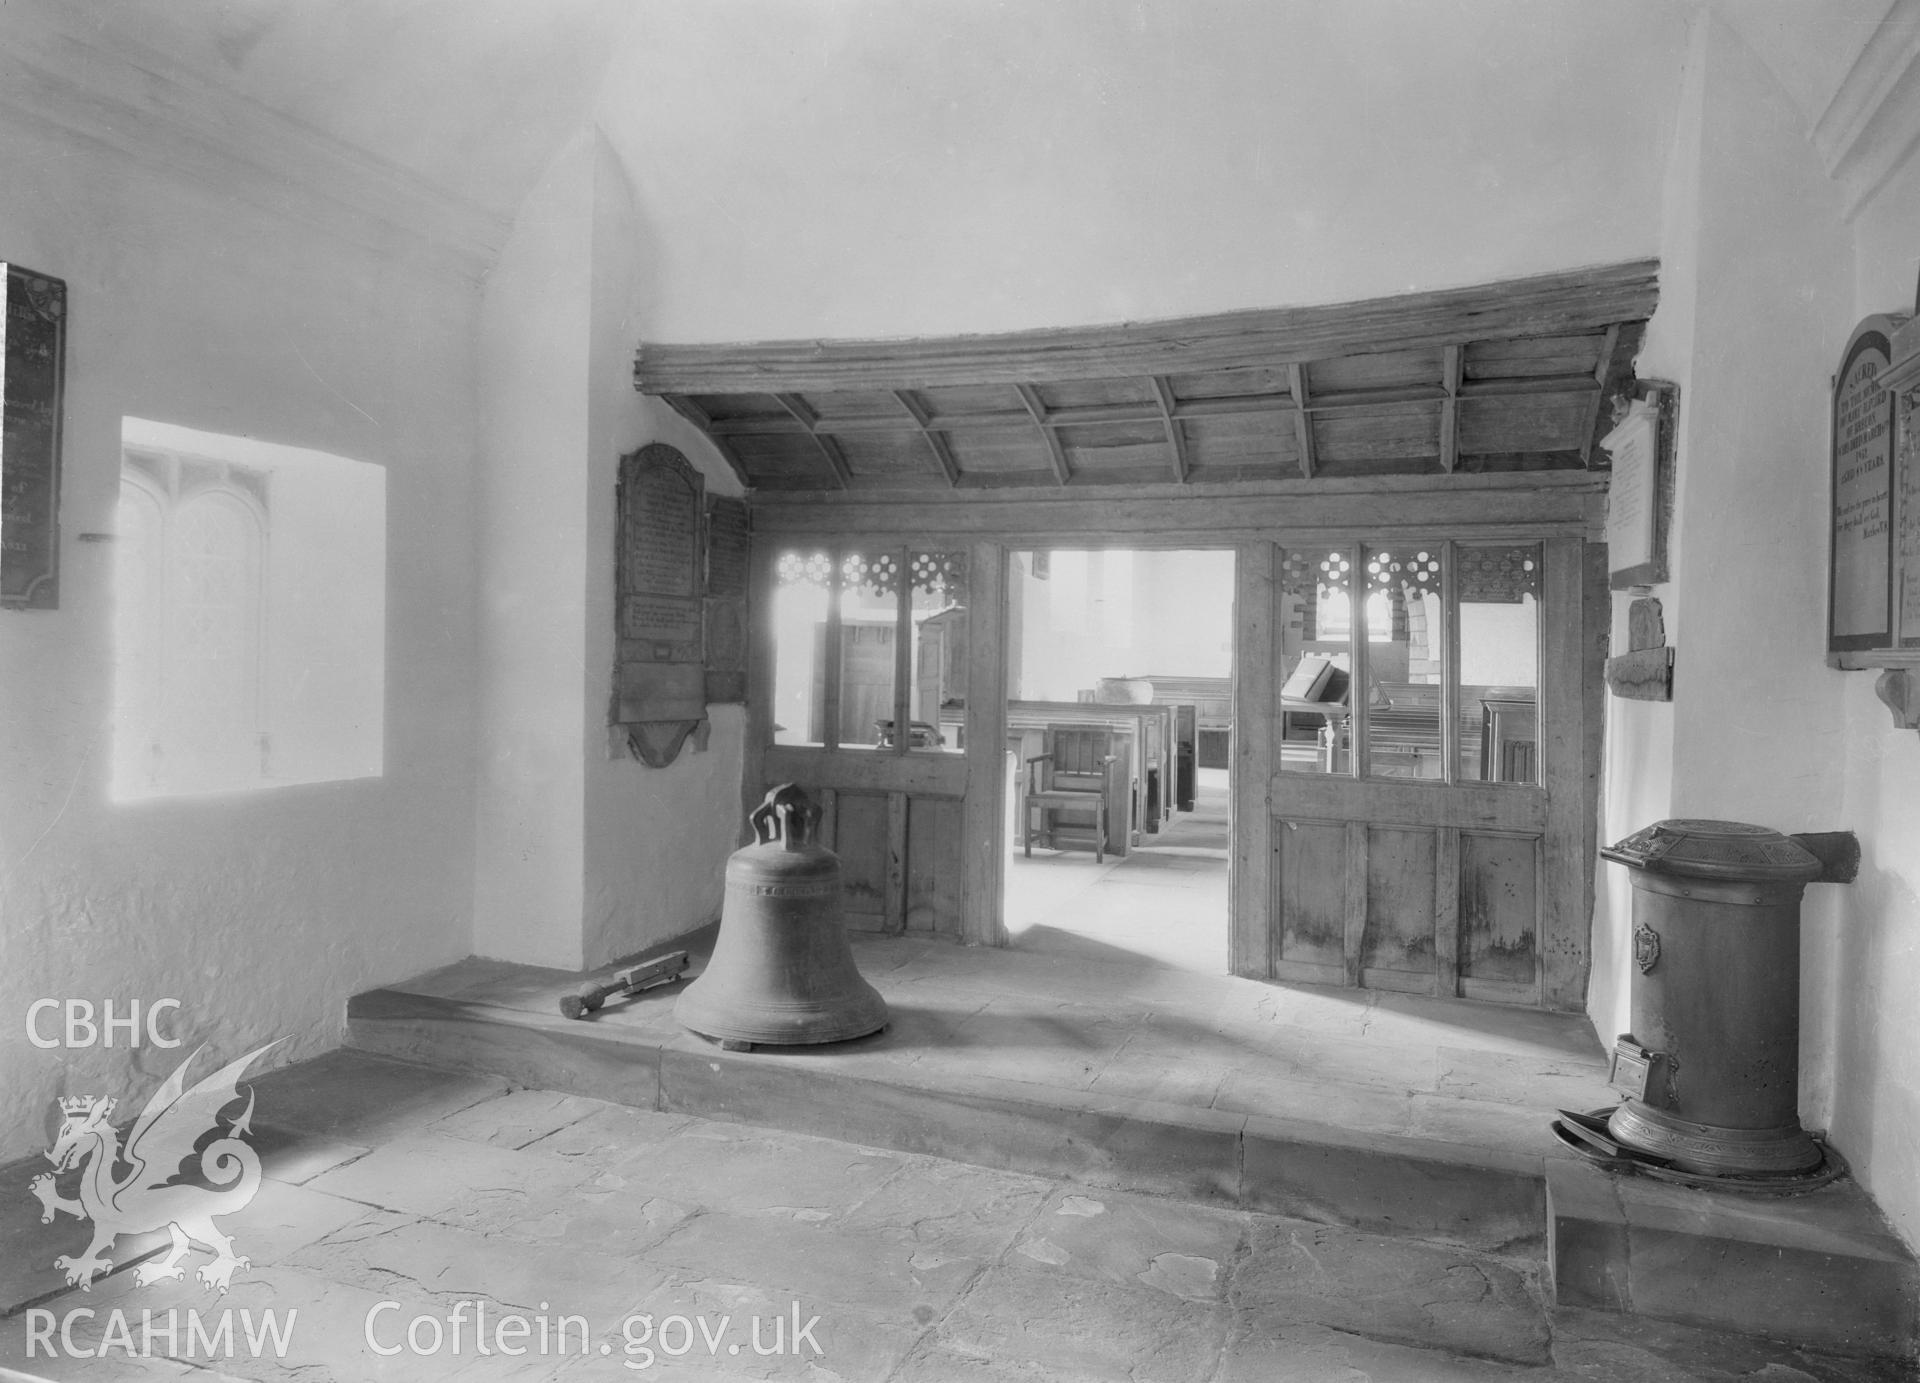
x=886, y=453
x=1111, y=445
x=1446, y=908
x=828, y=800
x=1482, y=806
x=1546, y=304
x=1355, y=919
x=1100, y=436
x=1255, y=468
x=1409, y=431
x=1474, y=889
x=761, y=635
x=1530, y=422
x=1374, y=370
x=741, y=407
x=1578, y=616
x=1219, y=384
x=935, y=860
x=1085, y=392
x=835, y=405
x=984, y=811
x=1280, y=510
x=860, y=839
x=1500, y=992
x=777, y=453
x=1135, y=469
x=1310, y=887
x=993, y=450
x=1268, y=438
x=896, y=883
x=1533, y=355
x=972, y=400
x=1250, y=867
x=1400, y=902
x=1499, y=908
x=865, y=770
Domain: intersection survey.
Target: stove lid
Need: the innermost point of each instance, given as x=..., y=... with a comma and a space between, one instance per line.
x=1715, y=850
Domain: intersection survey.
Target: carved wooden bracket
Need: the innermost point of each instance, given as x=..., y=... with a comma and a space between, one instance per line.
x=657, y=743
x=1898, y=689
x=1645, y=671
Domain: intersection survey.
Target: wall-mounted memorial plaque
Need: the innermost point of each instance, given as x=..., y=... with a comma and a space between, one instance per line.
x=1876, y=512
x=659, y=672
x=726, y=649
x=1906, y=525
x=1860, y=578
x=35, y=336
x=1640, y=489
x=728, y=539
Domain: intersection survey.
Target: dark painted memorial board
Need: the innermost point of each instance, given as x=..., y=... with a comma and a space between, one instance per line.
x=660, y=672
x=728, y=546
x=729, y=542
x=30, y=400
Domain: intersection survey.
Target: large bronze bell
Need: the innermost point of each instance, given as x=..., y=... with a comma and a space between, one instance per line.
x=782, y=972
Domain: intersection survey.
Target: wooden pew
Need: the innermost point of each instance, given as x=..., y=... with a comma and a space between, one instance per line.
x=1212, y=700
x=1403, y=737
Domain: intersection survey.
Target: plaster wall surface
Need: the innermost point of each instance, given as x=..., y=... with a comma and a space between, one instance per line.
x=1184, y=613
x=191, y=301
x=656, y=839
x=1762, y=282
x=532, y=558
x=585, y=854
x=1637, y=773
x=825, y=171
x=1755, y=735
x=1873, y=951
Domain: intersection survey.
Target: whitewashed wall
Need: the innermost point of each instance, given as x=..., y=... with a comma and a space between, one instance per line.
x=1762, y=281
x=584, y=853
x=234, y=302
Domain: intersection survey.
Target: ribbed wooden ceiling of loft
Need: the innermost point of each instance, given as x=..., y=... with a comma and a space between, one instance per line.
x=1510, y=376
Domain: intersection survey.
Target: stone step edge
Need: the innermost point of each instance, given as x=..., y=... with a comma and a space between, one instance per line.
x=1486, y=1199
x=1701, y=1265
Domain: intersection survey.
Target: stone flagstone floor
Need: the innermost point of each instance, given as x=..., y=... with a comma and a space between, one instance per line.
x=396, y=1193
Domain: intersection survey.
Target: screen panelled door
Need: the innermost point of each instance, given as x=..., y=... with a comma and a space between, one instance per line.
x=1435, y=766
x=861, y=663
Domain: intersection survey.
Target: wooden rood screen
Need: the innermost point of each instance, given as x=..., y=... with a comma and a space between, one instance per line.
x=860, y=696
x=1424, y=821
x=1431, y=820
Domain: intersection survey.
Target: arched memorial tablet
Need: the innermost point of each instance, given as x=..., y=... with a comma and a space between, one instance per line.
x=660, y=671
x=1860, y=570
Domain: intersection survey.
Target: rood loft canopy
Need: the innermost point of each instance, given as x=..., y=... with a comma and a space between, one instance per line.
x=1510, y=376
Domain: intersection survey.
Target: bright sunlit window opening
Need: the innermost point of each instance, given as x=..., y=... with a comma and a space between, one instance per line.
x=250, y=615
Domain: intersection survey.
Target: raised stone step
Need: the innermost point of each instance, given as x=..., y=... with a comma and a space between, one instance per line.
x=1821, y=1269
x=1480, y=1197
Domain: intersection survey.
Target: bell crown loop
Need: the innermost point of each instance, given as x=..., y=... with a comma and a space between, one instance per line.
x=786, y=815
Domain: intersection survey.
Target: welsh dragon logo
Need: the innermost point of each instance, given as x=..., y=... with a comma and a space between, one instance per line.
x=152, y=1194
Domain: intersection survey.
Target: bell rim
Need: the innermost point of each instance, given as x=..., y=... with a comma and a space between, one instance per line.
x=783, y=1023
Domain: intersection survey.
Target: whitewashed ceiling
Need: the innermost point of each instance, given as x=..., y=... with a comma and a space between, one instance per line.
x=797, y=165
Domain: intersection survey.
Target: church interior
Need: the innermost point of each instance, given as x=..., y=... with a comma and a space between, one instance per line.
x=1271, y=539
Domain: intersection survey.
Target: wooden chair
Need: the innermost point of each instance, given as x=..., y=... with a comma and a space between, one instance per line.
x=1071, y=776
